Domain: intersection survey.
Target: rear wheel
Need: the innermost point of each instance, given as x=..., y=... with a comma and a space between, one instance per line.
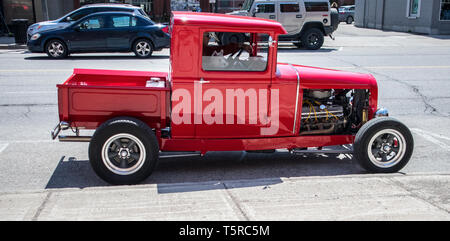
x=56, y=49
x=349, y=20
x=383, y=145
x=143, y=48
x=313, y=39
x=123, y=151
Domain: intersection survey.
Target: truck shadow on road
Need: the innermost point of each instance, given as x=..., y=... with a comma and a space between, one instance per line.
x=216, y=170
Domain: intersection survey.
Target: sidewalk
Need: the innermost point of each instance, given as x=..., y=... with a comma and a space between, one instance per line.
x=9, y=43
x=352, y=197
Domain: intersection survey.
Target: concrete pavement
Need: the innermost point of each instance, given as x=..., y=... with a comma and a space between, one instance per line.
x=352, y=197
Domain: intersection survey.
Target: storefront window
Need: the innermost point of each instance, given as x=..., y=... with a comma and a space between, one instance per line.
x=226, y=6
x=414, y=8
x=445, y=10
x=18, y=9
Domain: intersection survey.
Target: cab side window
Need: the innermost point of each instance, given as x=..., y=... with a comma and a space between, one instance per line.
x=250, y=53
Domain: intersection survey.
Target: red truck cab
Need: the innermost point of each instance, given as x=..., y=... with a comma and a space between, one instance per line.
x=225, y=97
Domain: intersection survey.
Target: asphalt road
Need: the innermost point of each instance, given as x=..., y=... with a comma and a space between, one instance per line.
x=413, y=73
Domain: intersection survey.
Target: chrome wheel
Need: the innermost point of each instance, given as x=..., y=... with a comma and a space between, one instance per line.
x=123, y=154
x=386, y=148
x=56, y=49
x=143, y=48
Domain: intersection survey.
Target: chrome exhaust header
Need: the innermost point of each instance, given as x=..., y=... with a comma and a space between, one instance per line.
x=64, y=126
x=58, y=128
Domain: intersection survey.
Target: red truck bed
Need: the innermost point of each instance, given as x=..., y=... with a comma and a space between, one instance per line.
x=90, y=97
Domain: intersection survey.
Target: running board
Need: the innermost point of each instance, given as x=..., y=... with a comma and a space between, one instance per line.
x=174, y=155
x=322, y=151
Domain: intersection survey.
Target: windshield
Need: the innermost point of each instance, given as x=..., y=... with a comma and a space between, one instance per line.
x=247, y=5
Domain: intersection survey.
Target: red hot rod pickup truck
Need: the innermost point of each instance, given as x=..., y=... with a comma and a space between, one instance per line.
x=232, y=97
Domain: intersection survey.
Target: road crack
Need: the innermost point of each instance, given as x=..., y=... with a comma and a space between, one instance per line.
x=235, y=202
x=42, y=207
x=414, y=195
x=425, y=100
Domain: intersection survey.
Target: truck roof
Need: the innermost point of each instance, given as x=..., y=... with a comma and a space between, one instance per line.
x=223, y=20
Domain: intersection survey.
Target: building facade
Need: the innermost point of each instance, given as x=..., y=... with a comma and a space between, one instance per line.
x=158, y=10
x=418, y=16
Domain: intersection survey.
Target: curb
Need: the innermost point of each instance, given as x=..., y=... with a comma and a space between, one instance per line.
x=13, y=46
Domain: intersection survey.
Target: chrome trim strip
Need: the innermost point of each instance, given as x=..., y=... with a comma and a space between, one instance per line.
x=296, y=98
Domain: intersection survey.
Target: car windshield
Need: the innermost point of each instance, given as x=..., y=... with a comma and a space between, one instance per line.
x=247, y=5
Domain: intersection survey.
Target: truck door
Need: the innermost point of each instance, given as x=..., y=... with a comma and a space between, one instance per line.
x=265, y=10
x=291, y=16
x=233, y=91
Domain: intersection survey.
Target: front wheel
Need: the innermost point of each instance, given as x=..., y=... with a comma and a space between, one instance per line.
x=56, y=49
x=383, y=145
x=123, y=151
x=349, y=20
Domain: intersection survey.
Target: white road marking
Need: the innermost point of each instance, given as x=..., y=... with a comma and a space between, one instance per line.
x=431, y=137
x=3, y=147
x=431, y=134
x=27, y=141
x=35, y=70
x=27, y=92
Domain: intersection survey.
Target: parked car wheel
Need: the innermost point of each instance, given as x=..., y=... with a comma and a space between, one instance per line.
x=123, y=151
x=313, y=39
x=56, y=49
x=143, y=48
x=349, y=20
x=383, y=145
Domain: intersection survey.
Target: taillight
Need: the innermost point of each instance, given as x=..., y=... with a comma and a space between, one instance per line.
x=165, y=29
